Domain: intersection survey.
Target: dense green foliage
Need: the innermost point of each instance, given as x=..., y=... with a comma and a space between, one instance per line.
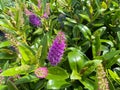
x=92, y=54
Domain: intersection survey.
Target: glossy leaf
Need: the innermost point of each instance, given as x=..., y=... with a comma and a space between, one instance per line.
x=76, y=59
x=57, y=84
x=57, y=73
x=89, y=84
x=84, y=29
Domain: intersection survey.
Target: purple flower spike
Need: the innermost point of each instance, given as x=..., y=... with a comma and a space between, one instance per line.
x=57, y=49
x=34, y=20
x=41, y=72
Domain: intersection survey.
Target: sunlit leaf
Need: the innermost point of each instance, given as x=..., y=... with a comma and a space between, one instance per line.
x=18, y=70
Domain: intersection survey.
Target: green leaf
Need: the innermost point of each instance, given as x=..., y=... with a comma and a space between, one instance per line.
x=107, y=41
x=7, y=24
x=114, y=76
x=100, y=31
x=89, y=84
x=57, y=84
x=11, y=85
x=96, y=44
x=3, y=87
x=38, y=53
x=75, y=75
x=40, y=84
x=76, y=59
x=89, y=67
x=62, y=3
x=44, y=43
x=104, y=5
x=4, y=44
x=84, y=29
x=86, y=17
x=118, y=35
x=7, y=54
x=17, y=70
x=27, y=54
x=110, y=54
x=111, y=86
x=71, y=20
x=112, y=61
x=57, y=73
x=26, y=79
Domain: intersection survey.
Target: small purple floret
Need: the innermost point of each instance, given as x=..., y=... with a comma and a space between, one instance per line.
x=34, y=20
x=57, y=49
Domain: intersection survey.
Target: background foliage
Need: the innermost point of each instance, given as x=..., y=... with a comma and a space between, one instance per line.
x=92, y=29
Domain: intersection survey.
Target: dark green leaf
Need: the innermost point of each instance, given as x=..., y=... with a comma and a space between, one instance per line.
x=26, y=79
x=11, y=85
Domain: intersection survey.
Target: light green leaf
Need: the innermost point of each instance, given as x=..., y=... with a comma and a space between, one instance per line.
x=114, y=76
x=4, y=44
x=18, y=70
x=71, y=20
x=3, y=87
x=27, y=54
x=75, y=75
x=86, y=17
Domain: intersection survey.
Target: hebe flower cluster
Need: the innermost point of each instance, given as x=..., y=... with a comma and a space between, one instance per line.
x=34, y=20
x=57, y=49
x=41, y=72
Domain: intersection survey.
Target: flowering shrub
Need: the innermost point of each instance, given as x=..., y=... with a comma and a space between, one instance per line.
x=59, y=45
